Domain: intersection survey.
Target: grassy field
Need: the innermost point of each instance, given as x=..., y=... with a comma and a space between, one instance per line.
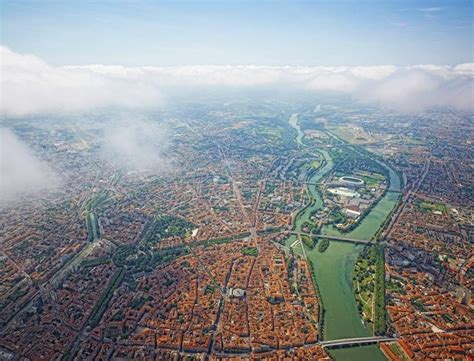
x=372, y=180
x=432, y=207
x=369, y=287
x=315, y=164
x=352, y=135
x=364, y=285
x=250, y=251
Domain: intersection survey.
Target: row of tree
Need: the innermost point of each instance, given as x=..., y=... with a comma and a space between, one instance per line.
x=92, y=224
x=380, y=314
x=104, y=299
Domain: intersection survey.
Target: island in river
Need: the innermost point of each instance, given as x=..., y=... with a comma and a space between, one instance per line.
x=334, y=268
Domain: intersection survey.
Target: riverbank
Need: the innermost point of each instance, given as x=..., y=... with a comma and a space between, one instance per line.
x=334, y=268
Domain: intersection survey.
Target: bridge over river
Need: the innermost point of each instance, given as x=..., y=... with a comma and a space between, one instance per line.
x=333, y=238
x=357, y=341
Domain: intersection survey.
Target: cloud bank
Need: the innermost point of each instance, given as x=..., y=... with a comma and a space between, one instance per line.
x=21, y=173
x=136, y=145
x=31, y=86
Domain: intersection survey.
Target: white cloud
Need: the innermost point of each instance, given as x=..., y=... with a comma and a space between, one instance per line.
x=431, y=9
x=21, y=173
x=422, y=87
x=31, y=86
x=136, y=145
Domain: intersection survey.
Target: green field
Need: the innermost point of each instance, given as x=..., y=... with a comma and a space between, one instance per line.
x=250, y=251
x=364, y=284
x=431, y=207
x=372, y=180
x=315, y=164
x=345, y=134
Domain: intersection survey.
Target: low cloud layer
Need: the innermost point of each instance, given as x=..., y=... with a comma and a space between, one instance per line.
x=21, y=173
x=136, y=145
x=31, y=86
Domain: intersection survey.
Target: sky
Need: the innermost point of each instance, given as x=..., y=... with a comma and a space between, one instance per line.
x=311, y=33
x=67, y=57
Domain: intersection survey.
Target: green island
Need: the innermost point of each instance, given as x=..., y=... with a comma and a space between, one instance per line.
x=369, y=287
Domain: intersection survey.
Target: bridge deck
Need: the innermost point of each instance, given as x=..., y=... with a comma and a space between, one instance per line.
x=334, y=238
x=356, y=341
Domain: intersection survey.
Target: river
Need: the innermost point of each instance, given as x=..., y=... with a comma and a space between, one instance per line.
x=335, y=268
x=294, y=122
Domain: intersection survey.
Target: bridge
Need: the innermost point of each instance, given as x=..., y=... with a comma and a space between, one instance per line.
x=347, y=342
x=333, y=238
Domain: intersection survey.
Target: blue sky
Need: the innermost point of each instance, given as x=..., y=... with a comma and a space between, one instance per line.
x=240, y=32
